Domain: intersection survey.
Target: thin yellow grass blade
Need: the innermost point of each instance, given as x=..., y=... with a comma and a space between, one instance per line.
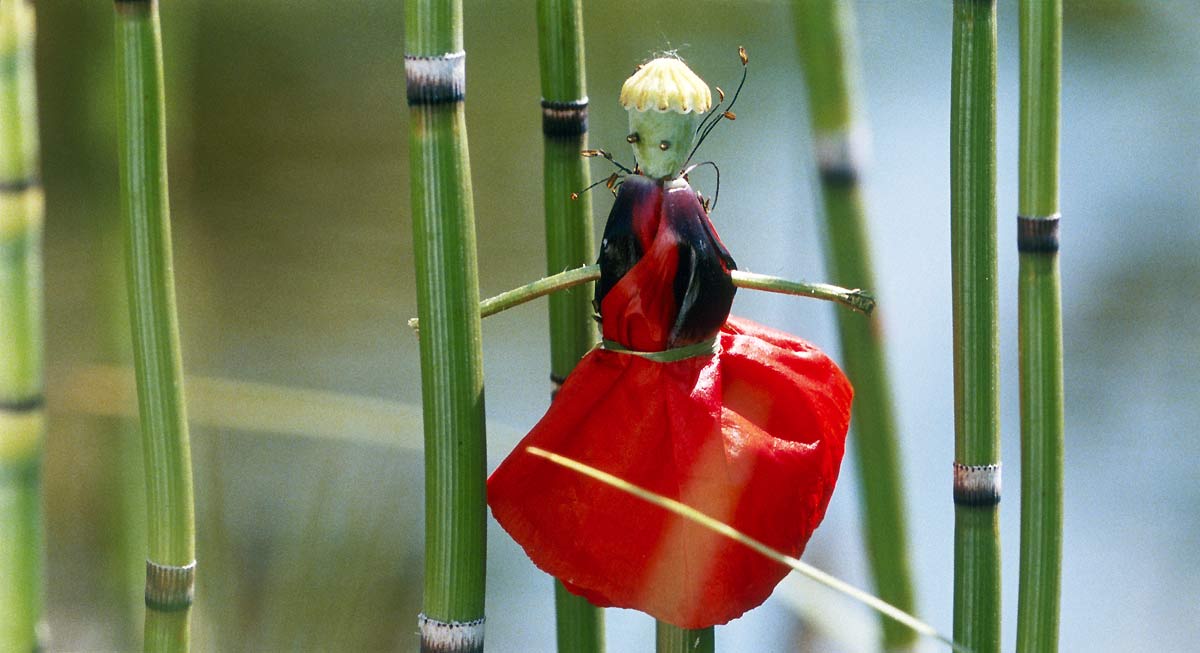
x=688, y=512
x=109, y=391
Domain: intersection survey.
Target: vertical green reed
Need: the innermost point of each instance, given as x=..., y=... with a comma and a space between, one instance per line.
x=825, y=34
x=580, y=625
x=976, y=335
x=673, y=639
x=171, y=555
x=1040, y=328
x=22, y=417
x=448, y=308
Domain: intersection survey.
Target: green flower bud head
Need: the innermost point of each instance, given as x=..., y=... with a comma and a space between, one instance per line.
x=664, y=99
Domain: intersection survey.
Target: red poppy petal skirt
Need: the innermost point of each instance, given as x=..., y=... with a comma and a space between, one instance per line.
x=752, y=435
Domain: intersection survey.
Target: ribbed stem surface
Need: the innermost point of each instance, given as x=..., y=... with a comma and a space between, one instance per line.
x=976, y=337
x=451, y=351
x=580, y=626
x=672, y=639
x=151, y=286
x=826, y=38
x=22, y=421
x=1040, y=333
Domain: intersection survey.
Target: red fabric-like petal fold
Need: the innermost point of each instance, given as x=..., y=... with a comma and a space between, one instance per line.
x=752, y=436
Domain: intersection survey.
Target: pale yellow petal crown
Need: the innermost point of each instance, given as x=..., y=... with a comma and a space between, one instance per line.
x=666, y=84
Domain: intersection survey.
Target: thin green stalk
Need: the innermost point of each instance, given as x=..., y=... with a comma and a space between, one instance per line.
x=22, y=420
x=171, y=555
x=451, y=352
x=825, y=34
x=976, y=335
x=580, y=625
x=1040, y=329
x=673, y=639
x=853, y=299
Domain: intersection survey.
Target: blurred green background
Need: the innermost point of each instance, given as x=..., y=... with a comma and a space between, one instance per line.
x=288, y=163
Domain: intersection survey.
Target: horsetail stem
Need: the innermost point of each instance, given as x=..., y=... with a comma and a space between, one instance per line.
x=1040, y=328
x=22, y=420
x=579, y=624
x=448, y=304
x=171, y=555
x=825, y=34
x=976, y=336
x=673, y=639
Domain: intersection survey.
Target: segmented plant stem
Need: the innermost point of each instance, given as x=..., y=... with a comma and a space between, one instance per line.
x=22, y=420
x=580, y=625
x=673, y=639
x=976, y=337
x=451, y=352
x=1040, y=328
x=157, y=360
x=826, y=39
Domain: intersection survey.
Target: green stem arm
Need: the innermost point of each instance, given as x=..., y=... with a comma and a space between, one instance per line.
x=855, y=299
x=976, y=333
x=22, y=412
x=171, y=554
x=1040, y=329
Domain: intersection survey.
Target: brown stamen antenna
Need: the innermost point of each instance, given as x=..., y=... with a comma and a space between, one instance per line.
x=710, y=122
x=603, y=153
x=609, y=182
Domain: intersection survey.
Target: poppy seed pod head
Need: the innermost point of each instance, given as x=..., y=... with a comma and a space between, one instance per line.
x=664, y=99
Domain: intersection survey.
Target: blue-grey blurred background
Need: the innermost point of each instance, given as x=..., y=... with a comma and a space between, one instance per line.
x=294, y=267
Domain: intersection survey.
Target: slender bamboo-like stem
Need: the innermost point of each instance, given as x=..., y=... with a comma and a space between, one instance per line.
x=451, y=352
x=22, y=421
x=976, y=336
x=673, y=639
x=171, y=555
x=580, y=625
x=1040, y=328
x=825, y=34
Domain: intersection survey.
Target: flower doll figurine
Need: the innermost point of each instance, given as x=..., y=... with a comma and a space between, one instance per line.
x=739, y=421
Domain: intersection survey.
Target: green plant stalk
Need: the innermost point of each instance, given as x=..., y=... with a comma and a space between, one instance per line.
x=673, y=639
x=579, y=624
x=976, y=335
x=22, y=418
x=451, y=350
x=825, y=35
x=1040, y=333
x=156, y=352
x=854, y=299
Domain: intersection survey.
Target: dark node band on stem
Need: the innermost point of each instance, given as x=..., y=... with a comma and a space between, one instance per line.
x=17, y=186
x=170, y=587
x=438, y=79
x=26, y=471
x=1037, y=235
x=556, y=383
x=976, y=485
x=564, y=119
x=135, y=7
x=22, y=404
x=838, y=158
x=450, y=636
